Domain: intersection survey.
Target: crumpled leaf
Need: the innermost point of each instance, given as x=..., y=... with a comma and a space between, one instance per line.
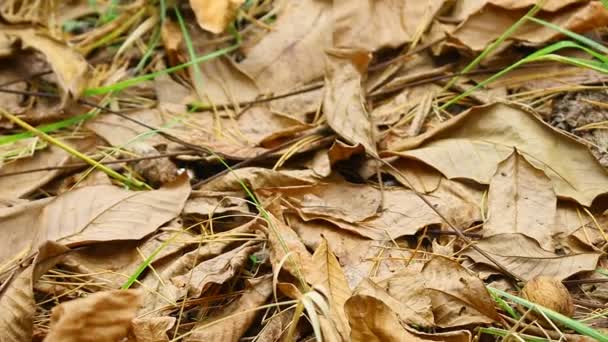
x=520, y=200
x=215, y=15
x=292, y=47
x=458, y=297
x=344, y=103
x=231, y=329
x=69, y=66
x=152, y=329
x=97, y=213
x=524, y=257
x=373, y=321
x=101, y=316
x=473, y=143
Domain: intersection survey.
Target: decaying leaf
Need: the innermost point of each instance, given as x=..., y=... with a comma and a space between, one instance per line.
x=215, y=15
x=524, y=257
x=152, y=329
x=98, y=213
x=472, y=144
x=102, y=316
x=520, y=200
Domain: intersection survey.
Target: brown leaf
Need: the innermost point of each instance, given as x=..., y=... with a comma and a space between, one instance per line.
x=215, y=15
x=524, y=257
x=68, y=65
x=520, y=200
x=334, y=282
x=235, y=317
x=472, y=144
x=152, y=329
x=458, y=297
x=215, y=271
x=422, y=177
x=372, y=25
x=292, y=47
x=373, y=321
x=101, y=316
x=344, y=103
x=211, y=203
x=97, y=213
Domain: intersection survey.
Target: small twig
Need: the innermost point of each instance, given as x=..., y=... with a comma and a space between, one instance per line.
x=81, y=165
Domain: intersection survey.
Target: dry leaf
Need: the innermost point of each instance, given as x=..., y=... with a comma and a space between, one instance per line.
x=472, y=144
x=212, y=203
x=215, y=15
x=69, y=66
x=101, y=316
x=152, y=329
x=235, y=317
x=524, y=257
x=291, y=47
x=344, y=103
x=335, y=286
x=520, y=200
x=97, y=213
x=373, y=321
x=458, y=297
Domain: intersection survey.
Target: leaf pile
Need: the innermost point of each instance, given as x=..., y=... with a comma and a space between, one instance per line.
x=233, y=170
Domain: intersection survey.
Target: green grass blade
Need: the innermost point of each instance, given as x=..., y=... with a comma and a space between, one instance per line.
x=504, y=333
x=554, y=316
x=48, y=128
x=577, y=37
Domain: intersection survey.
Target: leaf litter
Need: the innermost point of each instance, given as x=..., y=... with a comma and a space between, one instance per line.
x=278, y=170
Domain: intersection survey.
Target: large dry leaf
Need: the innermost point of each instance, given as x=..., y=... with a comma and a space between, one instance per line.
x=17, y=299
x=488, y=24
x=335, y=286
x=290, y=47
x=68, y=65
x=521, y=200
x=372, y=25
x=373, y=321
x=235, y=317
x=458, y=297
x=101, y=316
x=96, y=213
x=215, y=271
x=472, y=144
x=215, y=15
x=524, y=257
x=344, y=103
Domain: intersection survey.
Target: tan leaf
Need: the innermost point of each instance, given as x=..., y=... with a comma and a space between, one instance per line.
x=68, y=65
x=334, y=283
x=373, y=321
x=101, y=316
x=344, y=103
x=215, y=271
x=235, y=317
x=422, y=177
x=292, y=47
x=458, y=297
x=97, y=213
x=524, y=257
x=472, y=144
x=520, y=200
x=210, y=203
x=152, y=329
x=215, y=15
x=372, y=25
x=17, y=298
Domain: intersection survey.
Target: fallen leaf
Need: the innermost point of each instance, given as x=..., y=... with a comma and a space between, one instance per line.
x=234, y=319
x=97, y=213
x=212, y=203
x=101, y=316
x=372, y=25
x=420, y=176
x=524, y=257
x=344, y=103
x=373, y=321
x=69, y=66
x=472, y=144
x=292, y=47
x=458, y=297
x=152, y=329
x=215, y=15
x=521, y=200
